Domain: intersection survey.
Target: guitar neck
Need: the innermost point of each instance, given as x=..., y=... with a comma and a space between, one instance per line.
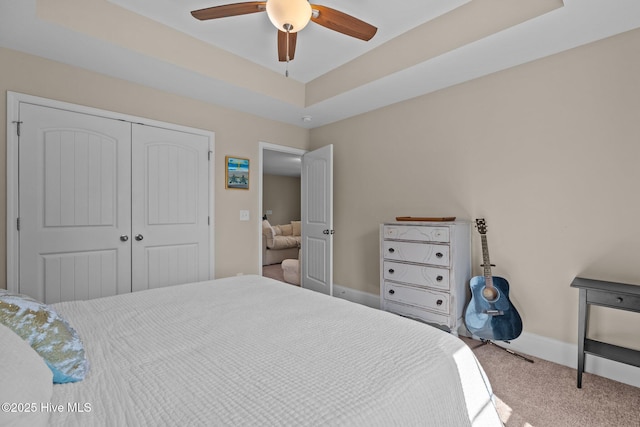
x=486, y=262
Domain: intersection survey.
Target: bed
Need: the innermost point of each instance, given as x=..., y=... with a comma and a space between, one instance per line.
x=252, y=351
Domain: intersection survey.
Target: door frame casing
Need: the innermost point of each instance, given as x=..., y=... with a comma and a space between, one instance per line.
x=271, y=147
x=12, y=188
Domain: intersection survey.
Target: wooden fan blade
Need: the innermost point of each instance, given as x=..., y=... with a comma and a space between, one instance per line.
x=342, y=23
x=282, y=45
x=226, y=10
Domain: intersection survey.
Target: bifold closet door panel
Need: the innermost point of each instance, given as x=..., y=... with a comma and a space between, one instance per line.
x=170, y=207
x=74, y=205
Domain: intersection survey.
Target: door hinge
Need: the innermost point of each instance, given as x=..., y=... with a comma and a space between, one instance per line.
x=18, y=123
x=209, y=155
x=18, y=223
x=208, y=220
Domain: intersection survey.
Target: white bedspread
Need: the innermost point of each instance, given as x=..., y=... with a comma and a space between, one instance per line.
x=251, y=351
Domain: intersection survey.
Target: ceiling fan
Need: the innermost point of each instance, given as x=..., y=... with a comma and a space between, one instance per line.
x=291, y=16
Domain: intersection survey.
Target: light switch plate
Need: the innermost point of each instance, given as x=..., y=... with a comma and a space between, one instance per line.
x=244, y=215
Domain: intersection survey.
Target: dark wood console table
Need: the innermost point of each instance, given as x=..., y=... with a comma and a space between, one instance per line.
x=606, y=294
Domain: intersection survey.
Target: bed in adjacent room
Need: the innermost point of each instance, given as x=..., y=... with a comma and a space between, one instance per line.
x=249, y=350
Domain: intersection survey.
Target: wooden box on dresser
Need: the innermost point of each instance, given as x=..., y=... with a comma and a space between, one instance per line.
x=425, y=269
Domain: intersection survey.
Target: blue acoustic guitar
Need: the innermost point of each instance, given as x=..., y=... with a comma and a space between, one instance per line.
x=490, y=315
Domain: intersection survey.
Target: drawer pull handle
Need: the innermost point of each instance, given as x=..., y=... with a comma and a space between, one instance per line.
x=391, y=250
x=439, y=254
x=439, y=279
x=391, y=271
x=391, y=292
x=439, y=302
x=619, y=299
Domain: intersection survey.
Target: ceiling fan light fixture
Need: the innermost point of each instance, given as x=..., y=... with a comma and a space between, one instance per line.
x=289, y=15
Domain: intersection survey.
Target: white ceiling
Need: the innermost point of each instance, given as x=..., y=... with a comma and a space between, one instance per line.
x=319, y=50
x=281, y=163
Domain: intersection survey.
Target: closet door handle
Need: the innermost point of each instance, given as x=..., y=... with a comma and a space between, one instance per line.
x=124, y=237
x=139, y=237
x=391, y=271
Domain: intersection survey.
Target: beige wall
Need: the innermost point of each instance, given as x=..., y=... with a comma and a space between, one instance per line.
x=548, y=152
x=35, y=76
x=281, y=195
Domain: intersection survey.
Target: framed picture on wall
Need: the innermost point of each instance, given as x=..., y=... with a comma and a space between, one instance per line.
x=236, y=173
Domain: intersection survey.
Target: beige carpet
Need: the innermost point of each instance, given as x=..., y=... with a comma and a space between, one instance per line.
x=544, y=394
x=273, y=271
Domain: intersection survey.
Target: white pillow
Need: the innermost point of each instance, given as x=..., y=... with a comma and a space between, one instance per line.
x=268, y=232
x=26, y=379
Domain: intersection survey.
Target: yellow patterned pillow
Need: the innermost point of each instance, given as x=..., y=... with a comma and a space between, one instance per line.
x=47, y=333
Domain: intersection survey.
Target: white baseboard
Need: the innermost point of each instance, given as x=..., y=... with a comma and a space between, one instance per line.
x=535, y=345
x=353, y=295
x=567, y=354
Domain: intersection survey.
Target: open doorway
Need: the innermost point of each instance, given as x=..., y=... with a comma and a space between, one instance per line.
x=280, y=205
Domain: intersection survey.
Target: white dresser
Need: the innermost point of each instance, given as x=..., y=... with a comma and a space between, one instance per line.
x=425, y=269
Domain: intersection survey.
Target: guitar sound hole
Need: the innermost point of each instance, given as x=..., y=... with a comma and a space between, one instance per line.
x=490, y=294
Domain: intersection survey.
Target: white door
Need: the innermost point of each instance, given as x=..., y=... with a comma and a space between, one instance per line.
x=317, y=220
x=88, y=186
x=170, y=225
x=74, y=204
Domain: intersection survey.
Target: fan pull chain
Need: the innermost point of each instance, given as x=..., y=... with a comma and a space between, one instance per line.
x=286, y=72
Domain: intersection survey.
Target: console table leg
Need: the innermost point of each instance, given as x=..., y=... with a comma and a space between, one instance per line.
x=582, y=332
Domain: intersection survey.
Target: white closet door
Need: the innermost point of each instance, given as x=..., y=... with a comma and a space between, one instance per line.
x=75, y=195
x=170, y=208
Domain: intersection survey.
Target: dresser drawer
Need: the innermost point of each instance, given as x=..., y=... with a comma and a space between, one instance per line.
x=424, y=253
x=419, y=313
x=420, y=297
x=611, y=299
x=433, y=277
x=417, y=233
